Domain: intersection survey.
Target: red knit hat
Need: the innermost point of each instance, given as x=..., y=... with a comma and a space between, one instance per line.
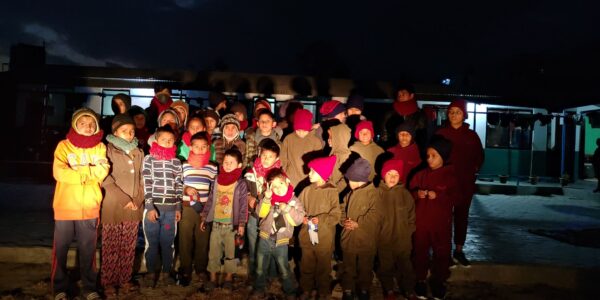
x=460, y=104
x=364, y=124
x=392, y=164
x=323, y=166
x=331, y=108
x=303, y=120
x=261, y=102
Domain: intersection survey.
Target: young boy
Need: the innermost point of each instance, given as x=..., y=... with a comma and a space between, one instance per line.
x=321, y=203
x=79, y=167
x=198, y=178
x=266, y=129
x=280, y=211
x=257, y=182
x=434, y=189
x=163, y=190
x=365, y=146
x=212, y=119
x=394, y=246
x=297, y=145
x=194, y=125
x=227, y=210
x=230, y=128
x=361, y=221
x=407, y=151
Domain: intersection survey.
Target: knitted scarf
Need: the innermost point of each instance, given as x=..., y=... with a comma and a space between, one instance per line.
x=122, y=144
x=162, y=153
x=406, y=108
x=261, y=171
x=198, y=160
x=225, y=178
x=83, y=141
x=243, y=125
x=159, y=106
x=187, y=138
x=285, y=198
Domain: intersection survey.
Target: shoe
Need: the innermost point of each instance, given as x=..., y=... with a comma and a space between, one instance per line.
x=149, y=280
x=209, y=286
x=461, y=259
x=110, y=293
x=91, y=296
x=184, y=280
x=166, y=279
x=60, y=296
x=364, y=295
x=438, y=291
x=348, y=295
x=452, y=264
x=128, y=288
x=227, y=285
x=421, y=290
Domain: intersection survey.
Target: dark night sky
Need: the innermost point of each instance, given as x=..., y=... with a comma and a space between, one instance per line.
x=418, y=40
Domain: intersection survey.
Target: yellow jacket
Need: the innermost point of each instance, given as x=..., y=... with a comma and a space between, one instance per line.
x=79, y=173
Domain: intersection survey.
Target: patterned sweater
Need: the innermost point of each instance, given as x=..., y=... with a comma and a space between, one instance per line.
x=163, y=185
x=202, y=180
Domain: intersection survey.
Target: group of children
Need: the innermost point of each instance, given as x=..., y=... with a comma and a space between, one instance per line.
x=202, y=182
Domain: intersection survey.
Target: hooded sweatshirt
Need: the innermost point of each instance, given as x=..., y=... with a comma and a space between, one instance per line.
x=435, y=214
x=369, y=152
x=360, y=205
x=293, y=152
x=293, y=214
x=340, y=136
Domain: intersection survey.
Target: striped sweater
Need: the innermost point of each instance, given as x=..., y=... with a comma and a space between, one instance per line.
x=200, y=179
x=163, y=185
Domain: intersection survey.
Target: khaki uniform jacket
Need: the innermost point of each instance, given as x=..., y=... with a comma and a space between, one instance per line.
x=292, y=153
x=321, y=202
x=397, y=209
x=360, y=205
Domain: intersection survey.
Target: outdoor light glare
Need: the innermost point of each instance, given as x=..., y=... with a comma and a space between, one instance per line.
x=446, y=81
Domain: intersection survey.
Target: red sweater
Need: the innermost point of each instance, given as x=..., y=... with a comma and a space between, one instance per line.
x=434, y=214
x=409, y=155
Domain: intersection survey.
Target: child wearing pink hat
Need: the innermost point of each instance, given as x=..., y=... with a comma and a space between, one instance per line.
x=365, y=146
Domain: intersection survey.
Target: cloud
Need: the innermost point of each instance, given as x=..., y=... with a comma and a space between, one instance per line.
x=58, y=45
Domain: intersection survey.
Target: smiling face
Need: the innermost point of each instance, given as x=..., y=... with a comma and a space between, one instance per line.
x=126, y=132
x=199, y=146
x=279, y=186
x=165, y=139
x=230, y=163
x=364, y=136
x=86, y=125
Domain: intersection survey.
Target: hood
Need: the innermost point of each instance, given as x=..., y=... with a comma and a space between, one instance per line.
x=340, y=137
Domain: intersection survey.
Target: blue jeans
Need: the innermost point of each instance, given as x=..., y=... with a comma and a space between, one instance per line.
x=266, y=252
x=252, y=233
x=160, y=235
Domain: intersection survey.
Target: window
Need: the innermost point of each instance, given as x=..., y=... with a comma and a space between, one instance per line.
x=509, y=129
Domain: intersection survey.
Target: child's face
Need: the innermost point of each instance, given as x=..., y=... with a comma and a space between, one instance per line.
x=355, y=184
x=364, y=136
x=314, y=176
x=455, y=116
x=352, y=111
x=267, y=158
x=168, y=119
x=86, y=125
x=126, y=132
x=230, y=131
x=301, y=133
x=391, y=178
x=180, y=112
x=140, y=121
x=121, y=105
x=165, y=139
x=194, y=126
x=230, y=163
x=404, y=138
x=434, y=159
x=211, y=124
x=199, y=146
x=341, y=116
x=279, y=186
x=265, y=124
x=404, y=95
x=240, y=116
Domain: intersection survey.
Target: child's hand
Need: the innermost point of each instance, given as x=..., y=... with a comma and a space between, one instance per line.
x=202, y=226
x=152, y=216
x=431, y=194
x=315, y=220
x=305, y=221
x=177, y=216
x=130, y=205
x=421, y=194
x=282, y=206
x=350, y=224
x=241, y=230
x=268, y=192
x=251, y=201
x=190, y=191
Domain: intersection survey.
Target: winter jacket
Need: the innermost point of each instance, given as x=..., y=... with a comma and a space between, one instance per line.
x=434, y=214
x=240, y=203
x=321, y=202
x=397, y=209
x=340, y=136
x=293, y=155
x=253, y=138
x=163, y=184
x=411, y=158
x=78, y=173
x=369, y=152
x=201, y=179
x=221, y=145
x=360, y=205
x=293, y=214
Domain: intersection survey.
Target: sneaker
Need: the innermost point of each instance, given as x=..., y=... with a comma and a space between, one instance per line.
x=459, y=258
x=421, y=290
x=184, y=280
x=438, y=291
x=348, y=295
x=452, y=264
x=91, y=296
x=60, y=296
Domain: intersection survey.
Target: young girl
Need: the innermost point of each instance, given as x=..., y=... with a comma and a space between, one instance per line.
x=194, y=125
x=121, y=208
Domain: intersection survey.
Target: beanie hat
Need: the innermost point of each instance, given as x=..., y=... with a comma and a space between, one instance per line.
x=210, y=113
x=364, y=125
x=392, y=164
x=355, y=101
x=215, y=98
x=460, y=104
x=169, y=111
x=82, y=112
x=229, y=119
x=331, y=108
x=303, y=119
x=176, y=105
x=408, y=127
x=123, y=97
x=442, y=146
x=120, y=120
x=323, y=166
x=359, y=171
x=261, y=102
x=137, y=110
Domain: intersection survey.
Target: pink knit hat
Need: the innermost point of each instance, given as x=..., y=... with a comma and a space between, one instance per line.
x=303, y=120
x=364, y=124
x=323, y=166
x=392, y=164
x=460, y=104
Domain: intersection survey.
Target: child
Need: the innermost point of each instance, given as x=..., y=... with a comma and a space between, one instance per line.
x=194, y=125
x=163, y=191
x=169, y=118
x=141, y=130
x=406, y=150
x=394, y=247
x=339, y=136
x=280, y=211
x=434, y=190
x=361, y=221
x=257, y=182
x=321, y=203
x=227, y=209
x=365, y=145
x=182, y=109
x=241, y=113
x=333, y=113
x=297, y=145
x=121, y=207
x=266, y=129
x=212, y=119
x=230, y=128
x=198, y=178
x=79, y=167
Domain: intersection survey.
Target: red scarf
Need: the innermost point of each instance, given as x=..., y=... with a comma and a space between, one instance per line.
x=406, y=108
x=161, y=153
x=254, y=123
x=198, y=160
x=187, y=138
x=285, y=198
x=159, y=106
x=243, y=125
x=261, y=171
x=225, y=178
x=83, y=141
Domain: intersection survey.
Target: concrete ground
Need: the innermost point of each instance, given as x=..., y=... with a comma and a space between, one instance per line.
x=511, y=259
